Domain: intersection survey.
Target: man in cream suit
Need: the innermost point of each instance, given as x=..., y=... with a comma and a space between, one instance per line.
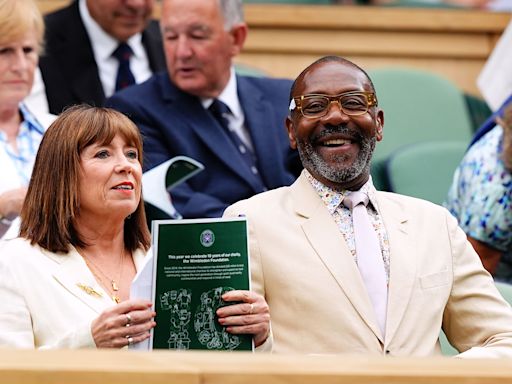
x=307, y=260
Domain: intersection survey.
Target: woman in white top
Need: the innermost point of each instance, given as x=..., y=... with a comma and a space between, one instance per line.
x=65, y=282
x=21, y=130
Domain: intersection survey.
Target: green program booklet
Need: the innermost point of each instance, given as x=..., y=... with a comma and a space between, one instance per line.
x=195, y=262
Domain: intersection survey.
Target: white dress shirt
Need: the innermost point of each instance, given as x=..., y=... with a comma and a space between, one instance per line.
x=103, y=45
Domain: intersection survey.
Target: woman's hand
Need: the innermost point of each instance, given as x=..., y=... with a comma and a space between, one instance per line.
x=251, y=316
x=123, y=324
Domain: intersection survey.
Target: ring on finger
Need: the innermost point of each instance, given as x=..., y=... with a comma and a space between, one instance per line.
x=128, y=319
x=130, y=340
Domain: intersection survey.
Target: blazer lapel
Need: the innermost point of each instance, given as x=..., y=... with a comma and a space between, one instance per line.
x=152, y=42
x=207, y=129
x=256, y=107
x=327, y=241
x=402, y=263
x=74, y=275
x=77, y=59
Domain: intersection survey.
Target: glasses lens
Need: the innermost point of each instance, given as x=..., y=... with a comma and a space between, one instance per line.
x=313, y=106
x=355, y=104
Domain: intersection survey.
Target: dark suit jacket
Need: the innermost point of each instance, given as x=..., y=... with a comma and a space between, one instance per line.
x=68, y=67
x=175, y=123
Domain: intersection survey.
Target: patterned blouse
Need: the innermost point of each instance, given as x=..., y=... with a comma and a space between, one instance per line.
x=481, y=194
x=343, y=217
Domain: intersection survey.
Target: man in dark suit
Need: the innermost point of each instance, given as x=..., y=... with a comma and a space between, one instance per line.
x=78, y=65
x=243, y=147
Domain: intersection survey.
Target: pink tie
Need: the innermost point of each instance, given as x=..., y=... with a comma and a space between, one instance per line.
x=369, y=255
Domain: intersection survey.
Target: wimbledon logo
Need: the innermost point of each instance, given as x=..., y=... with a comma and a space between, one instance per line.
x=207, y=238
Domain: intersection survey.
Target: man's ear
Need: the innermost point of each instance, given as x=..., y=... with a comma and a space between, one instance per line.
x=291, y=133
x=239, y=34
x=379, y=120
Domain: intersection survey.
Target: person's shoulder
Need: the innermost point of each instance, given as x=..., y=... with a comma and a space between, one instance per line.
x=262, y=203
x=268, y=83
x=141, y=93
x=409, y=203
x=16, y=249
x=153, y=29
x=55, y=18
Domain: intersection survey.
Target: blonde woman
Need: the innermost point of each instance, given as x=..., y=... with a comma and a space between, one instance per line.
x=21, y=129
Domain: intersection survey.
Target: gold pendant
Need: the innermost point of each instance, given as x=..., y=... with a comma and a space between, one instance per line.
x=116, y=299
x=114, y=285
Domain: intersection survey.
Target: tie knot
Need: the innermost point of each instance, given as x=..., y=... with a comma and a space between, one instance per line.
x=123, y=52
x=355, y=198
x=218, y=108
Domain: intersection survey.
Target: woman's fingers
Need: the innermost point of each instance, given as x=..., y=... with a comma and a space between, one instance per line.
x=128, y=321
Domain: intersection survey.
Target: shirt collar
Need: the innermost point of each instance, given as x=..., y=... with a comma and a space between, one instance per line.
x=30, y=120
x=228, y=96
x=103, y=45
x=333, y=198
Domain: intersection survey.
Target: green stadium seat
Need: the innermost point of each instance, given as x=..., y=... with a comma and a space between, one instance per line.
x=418, y=106
x=425, y=170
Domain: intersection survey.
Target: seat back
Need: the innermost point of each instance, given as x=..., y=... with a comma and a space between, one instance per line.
x=505, y=290
x=249, y=70
x=425, y=169
x=418, y=106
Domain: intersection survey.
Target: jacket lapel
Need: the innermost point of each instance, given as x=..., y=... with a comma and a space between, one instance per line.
x=77, y=59
x=152, y=42
x=74, y=275
x=206, y=128
x=402, y=262
x=256, y=109
x=327, y=241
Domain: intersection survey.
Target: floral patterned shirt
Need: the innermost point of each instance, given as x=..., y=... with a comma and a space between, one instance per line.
x=343, y=217
x=481, y=194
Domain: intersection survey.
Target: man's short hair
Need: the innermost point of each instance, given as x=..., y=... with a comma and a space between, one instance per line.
x=327, y=59
x=232, y=11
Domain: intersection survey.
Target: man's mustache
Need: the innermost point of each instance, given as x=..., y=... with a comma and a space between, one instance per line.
x=341, y=129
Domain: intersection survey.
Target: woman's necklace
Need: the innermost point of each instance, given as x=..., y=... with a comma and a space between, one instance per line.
x=113, y=288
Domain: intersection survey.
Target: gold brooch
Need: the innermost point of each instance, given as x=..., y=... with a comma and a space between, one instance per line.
x=89, y=290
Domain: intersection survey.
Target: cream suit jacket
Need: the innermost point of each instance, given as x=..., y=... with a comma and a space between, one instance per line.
x=42, y=305
x=318, y=301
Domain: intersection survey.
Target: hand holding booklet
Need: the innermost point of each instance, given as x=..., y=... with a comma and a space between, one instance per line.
x=193, y=262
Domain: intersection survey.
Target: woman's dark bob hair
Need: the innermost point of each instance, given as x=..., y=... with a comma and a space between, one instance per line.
x=52, y=204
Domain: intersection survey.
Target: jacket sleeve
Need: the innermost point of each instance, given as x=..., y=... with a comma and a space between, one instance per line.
x=16, y=323
x=477, y=320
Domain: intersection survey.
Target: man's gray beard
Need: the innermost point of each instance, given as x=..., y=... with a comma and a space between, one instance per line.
x=311, y=160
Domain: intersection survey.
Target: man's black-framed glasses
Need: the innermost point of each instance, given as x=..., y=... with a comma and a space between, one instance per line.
x=352, y=103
